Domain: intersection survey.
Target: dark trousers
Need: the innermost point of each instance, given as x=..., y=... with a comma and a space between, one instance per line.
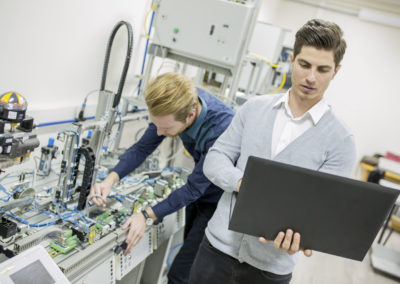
x=213, y=266
x=197, y=216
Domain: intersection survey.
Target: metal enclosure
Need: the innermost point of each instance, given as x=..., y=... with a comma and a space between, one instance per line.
x=267, y=41
x=209, y=34
x=208, y=30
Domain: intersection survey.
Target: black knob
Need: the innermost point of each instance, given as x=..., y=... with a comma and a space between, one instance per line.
x=27, y=124
x=118, y=249
x=124, y=245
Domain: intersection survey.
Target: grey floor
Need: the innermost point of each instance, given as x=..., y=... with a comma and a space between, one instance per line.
x=327, y=269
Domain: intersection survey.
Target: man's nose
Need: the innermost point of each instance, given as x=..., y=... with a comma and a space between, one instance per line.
x=311, y=76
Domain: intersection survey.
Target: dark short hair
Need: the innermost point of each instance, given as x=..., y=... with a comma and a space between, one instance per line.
x=321, y=35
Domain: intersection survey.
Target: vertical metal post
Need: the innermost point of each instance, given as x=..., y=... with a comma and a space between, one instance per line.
x=65, y=180
x=149, y=67
x=249, y=83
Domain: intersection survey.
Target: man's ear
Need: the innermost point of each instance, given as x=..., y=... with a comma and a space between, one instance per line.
x=291, y=61
x=191, y=116
x=336, y=70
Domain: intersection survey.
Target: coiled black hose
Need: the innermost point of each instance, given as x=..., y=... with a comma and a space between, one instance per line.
x=127, y=60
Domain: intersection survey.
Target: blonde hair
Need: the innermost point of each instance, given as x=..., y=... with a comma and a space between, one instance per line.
x=171, y=93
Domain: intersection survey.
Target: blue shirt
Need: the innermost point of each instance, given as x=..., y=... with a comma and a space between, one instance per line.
x=214, y=118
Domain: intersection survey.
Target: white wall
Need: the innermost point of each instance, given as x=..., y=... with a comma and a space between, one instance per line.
x=364, y=93
x=52, y=52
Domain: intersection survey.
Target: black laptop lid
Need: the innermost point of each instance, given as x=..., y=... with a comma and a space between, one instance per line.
x=333, y=214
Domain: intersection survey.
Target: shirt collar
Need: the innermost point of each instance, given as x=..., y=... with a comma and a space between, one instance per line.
x=316, y=112
x=193, y=130
x=283, y=99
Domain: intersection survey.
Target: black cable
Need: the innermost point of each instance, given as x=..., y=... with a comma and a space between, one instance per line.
x=127, y=60
x=84, y=188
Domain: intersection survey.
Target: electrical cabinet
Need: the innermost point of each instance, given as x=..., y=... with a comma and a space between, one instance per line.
x=213, y=31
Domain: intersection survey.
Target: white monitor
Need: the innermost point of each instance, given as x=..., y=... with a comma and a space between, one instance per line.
x=34, y=266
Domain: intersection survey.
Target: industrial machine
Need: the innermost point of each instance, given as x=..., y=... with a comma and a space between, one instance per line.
x=48, y=153
x=80, y=240
x=16, y=138
x=48, y=212
x=196, y=34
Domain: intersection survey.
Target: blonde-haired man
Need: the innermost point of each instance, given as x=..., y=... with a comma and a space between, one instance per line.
x=176, y=107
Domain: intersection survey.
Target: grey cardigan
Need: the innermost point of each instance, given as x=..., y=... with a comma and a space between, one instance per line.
x=327, y=146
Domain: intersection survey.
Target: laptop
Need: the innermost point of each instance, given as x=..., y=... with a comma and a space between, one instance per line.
x=333, y=214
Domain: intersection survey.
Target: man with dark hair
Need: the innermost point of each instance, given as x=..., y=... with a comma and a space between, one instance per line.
x=298, y=128
x=321, y=35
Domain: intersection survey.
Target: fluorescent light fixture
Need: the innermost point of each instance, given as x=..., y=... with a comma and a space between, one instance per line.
x=380, y=17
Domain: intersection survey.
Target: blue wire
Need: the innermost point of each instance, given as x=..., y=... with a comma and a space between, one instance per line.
x=174, y=169
x=72, y=210
x=78, y=213
x=134, y=180
x=61, y=122
x=116, y=197
x=149, y=181
x=3, y=189
x=63, y=217
x=127, y=196
x=145, y=51
x=8, y=214
x=119, y=126
x=124, y=196
x=154, y=169
x=84, y=221
x=6, y=192
x=59, y=205
x=17, y=189
x=130, y=103
x=34, y=209
x=101, y=175
x=83, y=217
